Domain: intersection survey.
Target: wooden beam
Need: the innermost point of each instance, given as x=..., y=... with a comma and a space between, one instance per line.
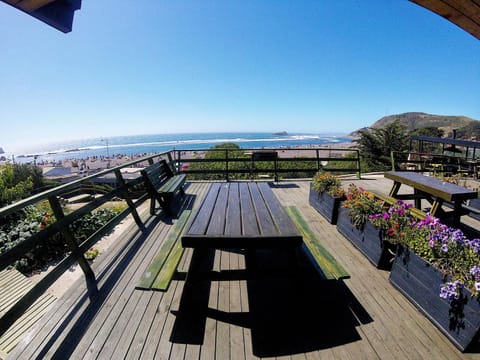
x=463, y=13
x=31, y=5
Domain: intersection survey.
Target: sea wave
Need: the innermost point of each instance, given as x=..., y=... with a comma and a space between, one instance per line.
x=159, y=143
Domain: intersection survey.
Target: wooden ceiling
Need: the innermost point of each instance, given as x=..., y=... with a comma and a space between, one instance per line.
x=59, y=13
x=463, y=13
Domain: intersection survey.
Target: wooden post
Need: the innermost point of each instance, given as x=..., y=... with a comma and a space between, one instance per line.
x=226, y=166
x=318, y=159
x=131, y=205
x=70, y=239
x=359, y=173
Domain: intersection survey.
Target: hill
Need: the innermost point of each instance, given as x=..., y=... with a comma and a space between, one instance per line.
x=466, y=127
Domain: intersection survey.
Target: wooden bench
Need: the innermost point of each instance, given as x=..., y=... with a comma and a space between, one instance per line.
x=159, y=273
x=417, y=213
x=326, y=265
x=162, y=184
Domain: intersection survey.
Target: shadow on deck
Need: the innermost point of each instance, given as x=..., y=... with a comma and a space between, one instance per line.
x=291, y=310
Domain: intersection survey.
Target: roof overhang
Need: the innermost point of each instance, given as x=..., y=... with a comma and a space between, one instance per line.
x=59, y=13
x=56, y=13
x=463, y=13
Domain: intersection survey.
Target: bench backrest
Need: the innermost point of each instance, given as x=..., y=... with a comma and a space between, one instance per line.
x=158, y=173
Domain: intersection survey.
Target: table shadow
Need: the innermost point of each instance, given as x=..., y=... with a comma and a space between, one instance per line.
x=291, y=309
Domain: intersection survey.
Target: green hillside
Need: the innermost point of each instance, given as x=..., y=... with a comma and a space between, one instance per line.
x=467, y=128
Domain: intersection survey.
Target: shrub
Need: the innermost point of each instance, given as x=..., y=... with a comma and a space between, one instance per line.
x=19, y=227
x=362, y=204
x=325, y=181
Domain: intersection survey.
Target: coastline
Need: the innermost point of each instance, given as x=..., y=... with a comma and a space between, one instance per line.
x=102, y=162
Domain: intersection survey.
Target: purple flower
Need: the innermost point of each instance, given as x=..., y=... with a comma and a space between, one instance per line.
x=477, y=286
x=444, y=248
x=450, y=291
x=475, y=271
x=431, y=243
x=475, y=245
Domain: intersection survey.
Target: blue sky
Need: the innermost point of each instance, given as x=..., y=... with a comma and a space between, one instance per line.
x=139, y=67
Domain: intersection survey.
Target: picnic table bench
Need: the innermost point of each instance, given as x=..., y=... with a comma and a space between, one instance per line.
x=325, y=264
x=417, y=213
x=162, y=184
x=161, y=269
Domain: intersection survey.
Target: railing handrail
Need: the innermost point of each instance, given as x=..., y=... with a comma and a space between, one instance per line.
x=9, y=209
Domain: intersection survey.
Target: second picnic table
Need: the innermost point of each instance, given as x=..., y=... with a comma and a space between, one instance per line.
x=434, y=190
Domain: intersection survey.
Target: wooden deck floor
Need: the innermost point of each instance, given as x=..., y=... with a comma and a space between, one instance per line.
x=232, y=314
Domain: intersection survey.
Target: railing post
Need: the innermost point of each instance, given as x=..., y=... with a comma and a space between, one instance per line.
x=178, y=160
x=359, y=173
x=275, y=167
x=226, y=166
x=131, y=205
x=318, y=159
x=170, y=161
x=70, y=239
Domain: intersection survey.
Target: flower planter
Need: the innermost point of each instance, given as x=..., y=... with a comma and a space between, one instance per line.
x=369, y=241
x=475, y=203
x=325, y=204
x=420, y=283
x=346, y=228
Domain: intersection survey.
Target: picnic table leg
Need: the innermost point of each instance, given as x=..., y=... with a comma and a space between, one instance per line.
x=395, y=188
x=436, y=207
x=417, y=199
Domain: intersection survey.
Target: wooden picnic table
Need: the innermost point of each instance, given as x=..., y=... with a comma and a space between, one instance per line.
x=434, y=190
x=241, y=215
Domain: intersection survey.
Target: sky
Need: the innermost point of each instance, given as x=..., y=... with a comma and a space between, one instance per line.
x=302, y=66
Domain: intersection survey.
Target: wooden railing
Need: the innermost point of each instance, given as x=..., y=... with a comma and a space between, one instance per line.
x=227, y=164
x=244, y=164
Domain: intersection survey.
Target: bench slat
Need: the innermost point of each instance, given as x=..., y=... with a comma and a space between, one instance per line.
x=327, y=264
x=162, y=256
x=417, y=213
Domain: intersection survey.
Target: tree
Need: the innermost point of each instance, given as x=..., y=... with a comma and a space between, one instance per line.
x=17, y=181
x=427, y=131
x=376, y=144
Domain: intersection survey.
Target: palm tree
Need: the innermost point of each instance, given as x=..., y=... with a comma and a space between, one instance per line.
x=376, y=144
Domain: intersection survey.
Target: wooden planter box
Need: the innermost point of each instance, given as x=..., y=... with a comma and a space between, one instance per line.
x=475, y=203
x=325, y=204
x=369, y=241
x=420, y=283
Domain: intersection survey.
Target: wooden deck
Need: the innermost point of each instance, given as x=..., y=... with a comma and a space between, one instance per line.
x=234, y=313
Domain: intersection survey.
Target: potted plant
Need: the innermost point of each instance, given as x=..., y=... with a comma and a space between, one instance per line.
x=353, y=223
x=438, y=269
x=326, y=193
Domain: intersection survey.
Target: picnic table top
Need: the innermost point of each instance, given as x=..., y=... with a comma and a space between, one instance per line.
x=238, y=215
x=433, y=186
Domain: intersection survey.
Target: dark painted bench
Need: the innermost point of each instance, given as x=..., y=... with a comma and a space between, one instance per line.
x=162, y=184
x=325, y=264
x=160, y=271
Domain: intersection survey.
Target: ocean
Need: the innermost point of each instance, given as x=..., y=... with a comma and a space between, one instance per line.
x=148, y=144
